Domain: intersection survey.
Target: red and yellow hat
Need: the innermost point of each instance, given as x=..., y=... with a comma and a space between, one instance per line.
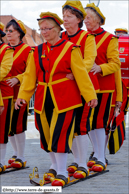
x=1, y=29
x=53, y=16
x=121, y=30
x=75, y=5
x=20, y=25
x=98, y=12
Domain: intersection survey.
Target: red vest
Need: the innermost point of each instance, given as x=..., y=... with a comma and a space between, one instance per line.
x=6, y=90
x=51, y=70
x=80, y=39
x=20, y=56
x=105, y=82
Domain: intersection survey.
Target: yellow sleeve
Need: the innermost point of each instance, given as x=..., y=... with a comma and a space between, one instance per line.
x=81, y=76
x=89, y=52
x=6, y=63
x=118, y=84
x=114, y=63
x=20, y=76
x=1, y=101
x=28, y=85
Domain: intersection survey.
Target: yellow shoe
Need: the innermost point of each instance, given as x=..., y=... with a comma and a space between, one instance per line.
x=60, y=180
x=51, y=173
x=12, y=159
x=99, y=167
x=2, y=168
x=72, y=168
x=91, y=162
x=18, y=163
x=80, y=173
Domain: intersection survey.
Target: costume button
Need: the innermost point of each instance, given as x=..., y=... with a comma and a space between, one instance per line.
x=51, y=49
x=48, y=59
x=47, y=71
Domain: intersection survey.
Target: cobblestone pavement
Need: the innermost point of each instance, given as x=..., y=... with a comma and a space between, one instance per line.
x=114, y=182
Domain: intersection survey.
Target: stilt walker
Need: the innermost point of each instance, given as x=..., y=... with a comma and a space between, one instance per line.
x=73, y=16
x=6, y=61
x=15, y=32
x=106, y=64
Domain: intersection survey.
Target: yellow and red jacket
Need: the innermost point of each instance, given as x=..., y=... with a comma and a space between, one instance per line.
x=49, y=66
x=20, y=61
x=87, y=44
x=107, y=58
x=6, y=62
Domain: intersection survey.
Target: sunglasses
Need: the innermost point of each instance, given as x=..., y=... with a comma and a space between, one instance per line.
x=10, y=31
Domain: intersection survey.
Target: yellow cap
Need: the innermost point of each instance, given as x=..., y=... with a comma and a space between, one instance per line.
x=75, y=5
x=21, y=25
x=1, y=29
x=97, y=10
x=54, y=16
x=1, y=26
x=121, y=30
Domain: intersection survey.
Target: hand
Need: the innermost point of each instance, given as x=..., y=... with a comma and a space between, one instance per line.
x=1, y=109
x=70, y=76
x=12, y=82
x=19, y=102
x=93, y=103
x=118, y=104
x=117, y=108
x=96, y=69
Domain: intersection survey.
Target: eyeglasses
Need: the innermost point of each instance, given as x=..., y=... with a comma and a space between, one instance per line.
x=10, y=31
x=46, y=29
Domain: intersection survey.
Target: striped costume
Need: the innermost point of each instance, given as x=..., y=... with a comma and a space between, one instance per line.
x=86, y=41
x=56, y=97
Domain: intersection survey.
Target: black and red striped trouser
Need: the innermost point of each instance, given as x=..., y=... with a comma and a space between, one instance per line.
x=56, y=130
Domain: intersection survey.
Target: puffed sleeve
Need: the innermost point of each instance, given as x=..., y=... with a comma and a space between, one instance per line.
x=28, y=85
x=81, y=76
x=114, y=63
x=89, y=52
x=6, y=63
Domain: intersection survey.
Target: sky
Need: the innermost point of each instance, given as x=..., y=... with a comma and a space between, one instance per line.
x=116, y=12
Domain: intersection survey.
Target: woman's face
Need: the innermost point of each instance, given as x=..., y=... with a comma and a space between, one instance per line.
x=12, y=34
x=48, y=30
x=90, y=21
x=70, y=20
